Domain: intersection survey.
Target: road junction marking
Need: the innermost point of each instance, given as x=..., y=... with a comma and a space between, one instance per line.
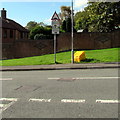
x=11, y=101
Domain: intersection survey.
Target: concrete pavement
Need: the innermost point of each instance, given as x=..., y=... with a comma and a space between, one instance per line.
x=61, y=66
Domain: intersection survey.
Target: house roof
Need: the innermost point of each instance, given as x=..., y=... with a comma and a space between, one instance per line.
x=11, y=24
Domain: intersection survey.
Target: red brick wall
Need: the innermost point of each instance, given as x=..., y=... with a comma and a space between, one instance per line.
x=89, y=40
x=115, y=39
x=33, y=48
x=81, y=41
x=27, y=48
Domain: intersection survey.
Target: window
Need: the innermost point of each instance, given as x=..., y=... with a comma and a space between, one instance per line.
x=0, y=33
x=21, y=35
x=11, y=33
x=5, y=33
x=27, y=35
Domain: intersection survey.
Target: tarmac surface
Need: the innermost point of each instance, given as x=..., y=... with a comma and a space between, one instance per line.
x=62, y=66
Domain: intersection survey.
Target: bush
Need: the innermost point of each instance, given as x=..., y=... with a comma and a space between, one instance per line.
x=42, y=36
x=39, y=36
x=40, y=32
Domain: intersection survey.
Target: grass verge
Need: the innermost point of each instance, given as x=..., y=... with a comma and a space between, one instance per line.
x=93, y=56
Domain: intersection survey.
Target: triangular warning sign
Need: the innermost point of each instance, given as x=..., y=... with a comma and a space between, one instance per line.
x=55, y=16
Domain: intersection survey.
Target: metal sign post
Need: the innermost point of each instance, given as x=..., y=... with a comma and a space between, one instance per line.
x=55, y=48
x=55, y=30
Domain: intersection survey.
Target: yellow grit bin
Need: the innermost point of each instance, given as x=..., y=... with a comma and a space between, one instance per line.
x=79, y=55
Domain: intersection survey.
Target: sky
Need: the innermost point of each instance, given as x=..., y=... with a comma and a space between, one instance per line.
x=39, y=11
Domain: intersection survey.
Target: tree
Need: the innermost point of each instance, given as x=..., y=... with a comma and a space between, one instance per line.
x=99, y=17
x=68, y=25
x=40, y=32
x=63, y=27
x=81, y=20
x=65, y=12
x=66, y=18
x=30, y=25
x=42, y=24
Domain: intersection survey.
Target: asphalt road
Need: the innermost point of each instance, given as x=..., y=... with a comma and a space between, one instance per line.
x=90, y=93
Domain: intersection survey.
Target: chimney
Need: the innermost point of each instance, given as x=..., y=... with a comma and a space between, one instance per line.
x=3, y=13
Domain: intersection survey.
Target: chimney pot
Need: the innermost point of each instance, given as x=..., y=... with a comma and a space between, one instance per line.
x=3, y=13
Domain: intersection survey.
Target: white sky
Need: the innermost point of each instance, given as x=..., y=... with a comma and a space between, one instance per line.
x=79, y=3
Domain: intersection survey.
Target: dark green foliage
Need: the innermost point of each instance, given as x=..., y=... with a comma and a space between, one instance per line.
x=63, y=27
x=42, y=36
x=41, y=33
x=65, y=16
x=68, y=25
x=39, y=36
x=39, y=30
x=30, y=25
x=99, y=17
x=65, y=12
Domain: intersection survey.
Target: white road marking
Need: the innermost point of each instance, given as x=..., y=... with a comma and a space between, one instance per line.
x=39, y=100
x=107, y=101
x=82, y=78
x=8, y=99
x=72, y=101
x=8, y=105
x=1, y=79
x=54, y=78
x=98, y=78
x=3, y=107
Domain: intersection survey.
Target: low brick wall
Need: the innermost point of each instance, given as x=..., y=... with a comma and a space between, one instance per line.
x=27, y=48
x=89, y=40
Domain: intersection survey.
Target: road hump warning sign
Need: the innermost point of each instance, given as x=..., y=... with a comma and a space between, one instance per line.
x=55, y=16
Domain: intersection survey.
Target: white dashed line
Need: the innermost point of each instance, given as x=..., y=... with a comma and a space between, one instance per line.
x=39, y=100
x=98, y=78
x=62, y=101
x=83, y=78
x=1, y=79
x=53, y=78
x=11, y=101
x=72, y=101
x=107, y=101
x=8, y=99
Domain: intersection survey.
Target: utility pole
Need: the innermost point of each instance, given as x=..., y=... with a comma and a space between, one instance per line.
x=72, y=47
